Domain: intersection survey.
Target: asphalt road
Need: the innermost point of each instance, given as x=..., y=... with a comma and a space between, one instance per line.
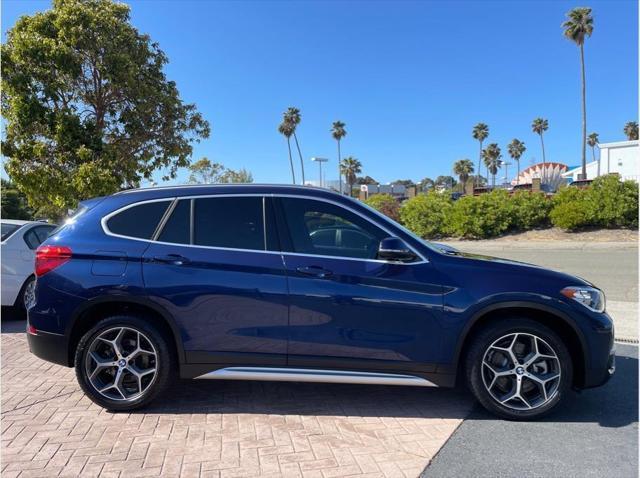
x=611, y=267
x=594, y=434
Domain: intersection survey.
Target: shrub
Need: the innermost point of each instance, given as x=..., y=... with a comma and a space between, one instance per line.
x=477, y=217
x=386, y=204
x=613, y=203
x=530, y=210
x=571, y=209
x=427, y=215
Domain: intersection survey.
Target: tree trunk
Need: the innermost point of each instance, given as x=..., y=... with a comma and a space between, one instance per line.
x=584, y=116
x=299, y=154
x=293, y=174
x=544, y=161
x=518, y=176
x=479, y=165
x=339, y=170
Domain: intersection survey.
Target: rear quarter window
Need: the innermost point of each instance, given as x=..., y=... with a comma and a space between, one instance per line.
x=138, y=221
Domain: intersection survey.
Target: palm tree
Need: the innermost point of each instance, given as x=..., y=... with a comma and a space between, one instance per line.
x=350, y=167
x=338, y=132
x=631, y=130
x=480, y=133
x=539, y=126
x=592, y=141
x=286, y=129
x=578, y=26
x=516, y=149
x=463, y=169
x=292, y=116
x=492, y=155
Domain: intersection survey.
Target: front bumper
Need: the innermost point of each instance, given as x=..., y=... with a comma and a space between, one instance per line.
x=50, y=347
x=602, y=353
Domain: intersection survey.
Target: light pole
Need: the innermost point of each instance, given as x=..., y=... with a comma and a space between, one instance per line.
x=320, y=161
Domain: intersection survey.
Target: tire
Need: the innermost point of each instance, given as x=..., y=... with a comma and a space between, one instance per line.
x=20, y=304
x=141, y=349
x=544, y=382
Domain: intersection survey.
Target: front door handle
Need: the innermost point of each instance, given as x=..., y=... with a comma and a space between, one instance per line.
x=314, y=271
x=173, y=259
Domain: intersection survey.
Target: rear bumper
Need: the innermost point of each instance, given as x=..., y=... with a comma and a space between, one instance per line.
x=50, y=347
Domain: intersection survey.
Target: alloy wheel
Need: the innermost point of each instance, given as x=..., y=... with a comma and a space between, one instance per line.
x=29, y=295
x=121, y=363
x=521, y=371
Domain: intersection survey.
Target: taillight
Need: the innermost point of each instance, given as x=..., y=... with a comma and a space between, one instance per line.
x=51, y=257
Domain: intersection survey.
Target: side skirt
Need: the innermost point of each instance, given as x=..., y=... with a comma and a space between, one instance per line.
x=314, y=375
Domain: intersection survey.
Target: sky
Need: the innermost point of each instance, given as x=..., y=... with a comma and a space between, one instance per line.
x=409, y=78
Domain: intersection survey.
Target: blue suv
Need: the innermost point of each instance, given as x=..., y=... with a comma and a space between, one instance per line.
x=264, y=282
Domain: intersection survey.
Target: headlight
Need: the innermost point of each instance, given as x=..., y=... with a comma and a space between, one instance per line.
x=591, y=298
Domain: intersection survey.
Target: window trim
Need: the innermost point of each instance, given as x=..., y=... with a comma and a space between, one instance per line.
x=103, y=223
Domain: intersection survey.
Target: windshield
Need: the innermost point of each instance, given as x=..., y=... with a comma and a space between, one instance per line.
x=8, y=229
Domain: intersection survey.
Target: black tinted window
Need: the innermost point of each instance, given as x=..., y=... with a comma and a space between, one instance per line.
x=138, y=221
x=316, y=227
x=234, y=222
x=177, y=229
x=8, y=229
x=37, y=235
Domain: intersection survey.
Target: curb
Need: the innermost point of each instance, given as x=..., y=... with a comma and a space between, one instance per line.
x=554, y=245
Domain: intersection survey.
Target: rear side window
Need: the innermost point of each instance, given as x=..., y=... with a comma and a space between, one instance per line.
x=138, y=221
x=37, y=235
x=232, y=222
x=177, y=230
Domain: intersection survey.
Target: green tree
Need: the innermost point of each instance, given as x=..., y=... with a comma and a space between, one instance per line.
x=292, y=116
x=204, y=171
x=463, y=169
x=88, y=108
x=577, y=27
x=386, y=204
x=365, y=180
x=350, y=167
x=338, y=132
x=480, y=133
x=426, y=184
x=631, y=130
x=592, y=141
x=491, y=155
x=539, y=126
x=447, y=182
x=240, y=176
x=14, y=203
x=286, y=129
x=407, y=183
x=516, y=149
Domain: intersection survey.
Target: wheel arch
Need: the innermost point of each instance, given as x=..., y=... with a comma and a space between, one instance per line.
x=552, y=318
x=98, y=309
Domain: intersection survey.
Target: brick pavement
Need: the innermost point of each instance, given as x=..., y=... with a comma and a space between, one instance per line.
x=218, y=429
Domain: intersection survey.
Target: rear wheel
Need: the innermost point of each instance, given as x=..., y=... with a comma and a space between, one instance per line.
x=519, y=369
x=27, y=296
x=123, y=363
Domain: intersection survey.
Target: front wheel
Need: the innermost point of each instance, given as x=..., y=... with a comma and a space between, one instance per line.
x=519, y=369
x=123, y=363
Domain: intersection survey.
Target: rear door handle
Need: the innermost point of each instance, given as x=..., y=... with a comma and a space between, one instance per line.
x=173, y=259
x=314, y=271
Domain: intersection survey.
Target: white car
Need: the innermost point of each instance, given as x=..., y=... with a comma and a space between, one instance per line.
x=20, y=239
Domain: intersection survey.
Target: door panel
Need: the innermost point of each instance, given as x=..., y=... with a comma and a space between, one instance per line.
x=230, y=305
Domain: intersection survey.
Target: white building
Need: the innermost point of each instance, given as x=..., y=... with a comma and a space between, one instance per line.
x=622, y=157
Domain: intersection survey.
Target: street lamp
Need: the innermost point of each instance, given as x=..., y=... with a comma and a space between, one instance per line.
x=320, y=161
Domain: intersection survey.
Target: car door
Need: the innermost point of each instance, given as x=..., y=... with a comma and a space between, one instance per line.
x=214, y=267
x=347, y=308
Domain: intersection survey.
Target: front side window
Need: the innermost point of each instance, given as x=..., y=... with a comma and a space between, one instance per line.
x=138, y=221
x=231, y=222
x=320, y=228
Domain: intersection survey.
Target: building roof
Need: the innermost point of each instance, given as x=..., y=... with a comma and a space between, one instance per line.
x=619, y=144
x=577, y=168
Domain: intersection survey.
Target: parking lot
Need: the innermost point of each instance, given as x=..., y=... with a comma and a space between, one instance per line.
x=200, y=428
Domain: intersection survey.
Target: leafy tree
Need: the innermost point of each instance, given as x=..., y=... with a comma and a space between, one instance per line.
x=292, y=116
x=286, y=129
x=350, y=168
x=463, y=169
x=338, y=132
x=516, y=149
x=204, y=171
x=592, y=141
x=239, y=176
x=407, y=183
x=577, y=28
x=14, y=203
x=480, y=132
x=631, y=130
x=88, y=108
x=539, y=126
x=492, y=155
x=479, y=179
x=365, y=180
x=426, y=184
x=447, y=182
x=386, y=204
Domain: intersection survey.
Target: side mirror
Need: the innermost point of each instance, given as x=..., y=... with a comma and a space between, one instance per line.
x=395, y=249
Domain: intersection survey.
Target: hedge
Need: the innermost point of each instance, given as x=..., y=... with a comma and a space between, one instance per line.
x=607, y=203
